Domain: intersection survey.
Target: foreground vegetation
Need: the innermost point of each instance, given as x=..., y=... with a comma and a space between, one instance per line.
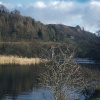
x=62, y=75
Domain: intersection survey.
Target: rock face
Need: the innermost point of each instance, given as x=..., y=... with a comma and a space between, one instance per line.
x=78, y=27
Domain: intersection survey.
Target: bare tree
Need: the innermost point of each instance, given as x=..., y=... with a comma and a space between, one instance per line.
x=61, y=73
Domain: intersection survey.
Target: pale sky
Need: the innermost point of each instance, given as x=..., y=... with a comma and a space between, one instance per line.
x=85, y=13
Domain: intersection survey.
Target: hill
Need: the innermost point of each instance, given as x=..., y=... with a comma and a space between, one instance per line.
x=14, y=27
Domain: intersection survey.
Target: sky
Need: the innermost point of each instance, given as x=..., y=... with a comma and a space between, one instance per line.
x=85, y=13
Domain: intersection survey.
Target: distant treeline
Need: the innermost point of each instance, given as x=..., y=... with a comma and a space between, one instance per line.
x=23, y=49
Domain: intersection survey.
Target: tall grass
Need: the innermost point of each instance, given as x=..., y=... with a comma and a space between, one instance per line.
x=19, y=60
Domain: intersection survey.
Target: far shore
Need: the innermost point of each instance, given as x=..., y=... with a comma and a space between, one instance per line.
x=19, y=60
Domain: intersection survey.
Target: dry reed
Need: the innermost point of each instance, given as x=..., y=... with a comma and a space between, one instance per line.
x=19, y=60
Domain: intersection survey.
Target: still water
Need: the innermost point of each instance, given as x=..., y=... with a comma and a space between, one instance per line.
x=21, y=83
x=18, y=82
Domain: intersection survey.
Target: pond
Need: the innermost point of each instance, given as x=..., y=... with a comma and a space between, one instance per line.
x=21, y=83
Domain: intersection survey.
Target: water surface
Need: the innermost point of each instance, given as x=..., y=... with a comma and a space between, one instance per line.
x=21, y=83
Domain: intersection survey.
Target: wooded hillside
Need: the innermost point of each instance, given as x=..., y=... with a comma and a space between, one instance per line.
x=15, y=28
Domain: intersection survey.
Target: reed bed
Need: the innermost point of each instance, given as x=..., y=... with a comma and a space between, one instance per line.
x=19, y=60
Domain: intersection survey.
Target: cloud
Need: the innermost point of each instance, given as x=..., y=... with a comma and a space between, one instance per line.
x=54, y=3
x=7, y=5
x=69, y=12
x=20, y=5
x=39, y=4
x=1, y=3
x=91, y=15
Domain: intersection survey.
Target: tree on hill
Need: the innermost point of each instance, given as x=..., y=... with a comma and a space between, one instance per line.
x=3, y=8
x=40, y=34
x=16, y=12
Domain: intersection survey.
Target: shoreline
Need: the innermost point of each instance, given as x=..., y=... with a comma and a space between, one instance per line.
x=4, y=59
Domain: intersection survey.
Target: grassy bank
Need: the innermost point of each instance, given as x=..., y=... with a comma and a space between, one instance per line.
x=18, y=60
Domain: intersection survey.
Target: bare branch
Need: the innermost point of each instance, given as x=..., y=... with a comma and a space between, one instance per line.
x=61, y=73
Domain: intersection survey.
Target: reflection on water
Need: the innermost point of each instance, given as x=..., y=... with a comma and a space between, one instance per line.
x=15, y=79
x=21, y=83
